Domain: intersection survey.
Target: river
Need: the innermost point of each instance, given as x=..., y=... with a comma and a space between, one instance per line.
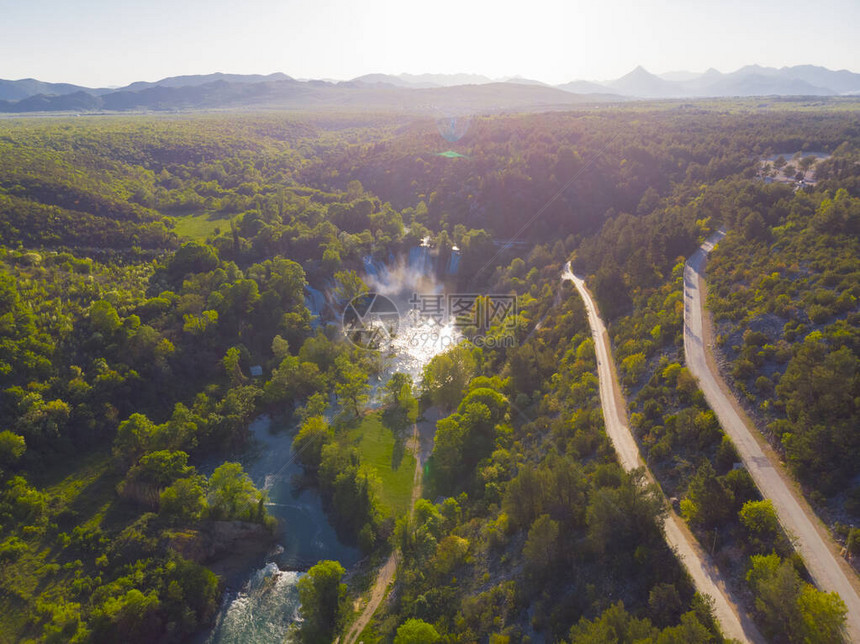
x=261, y=605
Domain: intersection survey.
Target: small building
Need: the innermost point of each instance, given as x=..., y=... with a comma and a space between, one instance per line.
x=256, y=371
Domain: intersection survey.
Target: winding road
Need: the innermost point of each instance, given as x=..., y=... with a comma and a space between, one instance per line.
x=809, y=536
x=735, y=624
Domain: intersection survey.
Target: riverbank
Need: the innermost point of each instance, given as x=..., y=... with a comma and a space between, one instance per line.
x=227, y=548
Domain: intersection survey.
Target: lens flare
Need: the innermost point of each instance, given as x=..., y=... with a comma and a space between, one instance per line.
x=452, y=128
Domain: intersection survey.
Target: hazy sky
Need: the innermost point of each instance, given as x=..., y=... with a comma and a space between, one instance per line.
x=114, y=42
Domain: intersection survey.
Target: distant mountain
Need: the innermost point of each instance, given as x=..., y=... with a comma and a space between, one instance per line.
x=842, y=81
x=679, y=76
x=389, y=79
x=15, y=90
x=751, y=80
x=80, y=101
x=585, y=87
x=444, y=80
x=423, y=81
x=526, y=81
x=644, y=84
x=756, y=84
x=292, y=94
x=428, y=93
x=699, y=84
x=204, y=79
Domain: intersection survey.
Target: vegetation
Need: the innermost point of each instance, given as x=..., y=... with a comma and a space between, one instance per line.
x=791, y=609
x=146, y=264
x=785, y=296
x=106, y=343
x=322, y=597
x=692, y=458
x=537, y=525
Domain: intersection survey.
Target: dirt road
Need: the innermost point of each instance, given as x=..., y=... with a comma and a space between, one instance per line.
x=809, y=536
x=386, y=574
x=735, y=624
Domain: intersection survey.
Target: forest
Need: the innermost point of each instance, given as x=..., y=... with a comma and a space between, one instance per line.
x=148, y=263
x=785, y=296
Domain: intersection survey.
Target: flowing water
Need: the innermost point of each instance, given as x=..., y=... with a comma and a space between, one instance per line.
x=260, y=606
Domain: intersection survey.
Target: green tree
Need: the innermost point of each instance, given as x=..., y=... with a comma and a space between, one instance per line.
x=322, y=597
x=760, y=520
x=806, y=162
x=192, y=257
x=755, y=228
x=689, y=630
x=128, y=617
x=448, y=447
x=283, y=386
x=633, y=367
x=819, y=391
x=615, y=624
x=145, y=481
x=232, y=494
x=541, y=547
x=352, y=386
x=162, y=467
x=447, y=374
x=41, y=421
x=185, y=500
x=708, y=501
x=315, y=405
x=349, y=285
x=821, y=614
x=308, y=444
x=416, y=631
x=402, y=405
x=790, y=608
x=12, y=447
x=280, y=348
x=450, y=554
x=665, y=604
x=104, y=318
x=623, y=519
x=233, y=367
x=134, y=438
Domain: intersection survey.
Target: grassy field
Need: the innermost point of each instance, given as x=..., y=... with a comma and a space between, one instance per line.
x=200, y=227
x=386, y=454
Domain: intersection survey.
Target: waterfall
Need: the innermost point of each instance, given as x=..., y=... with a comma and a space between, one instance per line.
x=372, y=267
x=315, y=303
x=419, y=259
x=453, y=261
x=414, y=270
x=410, y=272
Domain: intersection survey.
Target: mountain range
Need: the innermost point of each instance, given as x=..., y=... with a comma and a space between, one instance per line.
x=422, y=92
x=752, y=80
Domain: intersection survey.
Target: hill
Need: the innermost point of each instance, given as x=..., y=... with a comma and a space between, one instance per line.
x=408, y=91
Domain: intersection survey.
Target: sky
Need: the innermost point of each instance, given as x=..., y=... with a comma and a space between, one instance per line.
x=104, y=43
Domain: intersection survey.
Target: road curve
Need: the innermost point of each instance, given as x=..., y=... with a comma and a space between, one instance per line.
x=807, y=533
x=734, y=623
